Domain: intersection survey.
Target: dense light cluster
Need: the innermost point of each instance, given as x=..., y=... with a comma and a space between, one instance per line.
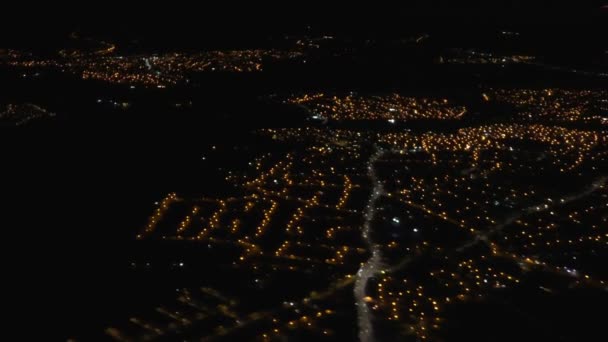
x=560, y=105
x=570, y=147
x=414, y=222
x=392, y=107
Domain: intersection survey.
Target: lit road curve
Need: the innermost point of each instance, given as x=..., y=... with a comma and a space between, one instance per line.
x=374, y=265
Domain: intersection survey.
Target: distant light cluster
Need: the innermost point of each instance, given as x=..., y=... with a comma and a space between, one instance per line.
x=156, y=70
x=478, y=57
x=18, y=115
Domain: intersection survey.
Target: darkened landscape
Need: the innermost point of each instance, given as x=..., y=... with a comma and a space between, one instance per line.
x=421, y=173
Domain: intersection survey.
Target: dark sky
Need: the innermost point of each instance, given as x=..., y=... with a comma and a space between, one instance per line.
x=24, y=23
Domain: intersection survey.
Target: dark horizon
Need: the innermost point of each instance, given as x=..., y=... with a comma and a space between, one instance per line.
x=220, y=21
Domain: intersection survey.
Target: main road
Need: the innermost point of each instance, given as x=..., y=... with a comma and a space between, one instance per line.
x=374, y=264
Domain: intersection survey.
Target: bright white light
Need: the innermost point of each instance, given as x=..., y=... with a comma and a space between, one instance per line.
x=396, y=219
x=415, y=230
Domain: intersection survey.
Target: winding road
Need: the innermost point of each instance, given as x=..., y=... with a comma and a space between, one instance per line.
x=374, y=264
